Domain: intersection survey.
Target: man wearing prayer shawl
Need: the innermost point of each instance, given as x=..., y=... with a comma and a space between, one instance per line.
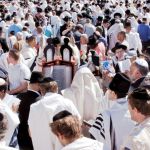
x=41, y=114
x=67, y=128
x=85, y=93
x=139, y=107
x=11, y=101
x=3, y=130
x=13, y=121
x=113, y=125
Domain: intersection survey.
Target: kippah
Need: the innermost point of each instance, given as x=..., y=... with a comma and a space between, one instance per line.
x=141, y=62
x=61, y=115
x=142, y=94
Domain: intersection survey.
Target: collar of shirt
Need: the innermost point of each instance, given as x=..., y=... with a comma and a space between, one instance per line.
x=34, y=91
x=122, y=100
x=144, y=123
x=48, y=94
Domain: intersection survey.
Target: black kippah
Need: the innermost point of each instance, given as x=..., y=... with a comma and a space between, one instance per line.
x=142, y=94
x=61, y=115
x=1, y=116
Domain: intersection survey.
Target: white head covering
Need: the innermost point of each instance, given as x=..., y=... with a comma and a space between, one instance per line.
x=2, y=81
x=141, y=62
x=85, y=93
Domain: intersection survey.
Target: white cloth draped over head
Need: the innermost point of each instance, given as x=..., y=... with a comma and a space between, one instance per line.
x=113, y=32
x=41, y=114
x=13, y=121
x=85, y=93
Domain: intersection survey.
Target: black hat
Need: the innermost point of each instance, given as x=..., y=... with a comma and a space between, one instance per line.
x=120, y=83
x=141, y=93
x=100, y=18
x=118, y=14
x=93, y=41
x=36, y=77
x=47, y=80
x=56, y=41
x=39, y=10
x=119, y=46
x=66, y=18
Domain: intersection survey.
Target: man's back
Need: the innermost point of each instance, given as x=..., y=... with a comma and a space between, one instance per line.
x=144, y=32
x=27, y=98
x=41, y=114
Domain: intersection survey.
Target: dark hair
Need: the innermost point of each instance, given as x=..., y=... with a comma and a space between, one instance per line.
x=61, y=115
x=127, y=24
x=12, y=32
x=140, y=99
x=3, y=87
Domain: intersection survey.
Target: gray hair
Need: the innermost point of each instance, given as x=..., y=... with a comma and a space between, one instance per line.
x=142, y=69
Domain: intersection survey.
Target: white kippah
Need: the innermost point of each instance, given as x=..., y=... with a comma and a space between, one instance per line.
x=142, y=62
x=2, y=81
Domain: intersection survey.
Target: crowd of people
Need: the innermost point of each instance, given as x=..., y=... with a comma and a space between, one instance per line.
x=103, y=103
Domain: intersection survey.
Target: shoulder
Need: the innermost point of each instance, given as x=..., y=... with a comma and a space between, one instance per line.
x=24, y=68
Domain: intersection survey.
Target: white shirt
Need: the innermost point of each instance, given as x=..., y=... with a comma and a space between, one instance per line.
x=41, y=114
x=10, y=100
x=136, y=45
x=17, y=75
x=4, y=63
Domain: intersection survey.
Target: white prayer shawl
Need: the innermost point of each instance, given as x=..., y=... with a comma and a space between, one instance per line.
x=3, y=146
x=139, y=137
x=84, y=144
x=119, y=10
x=76, y=53
x=85, y=93
x=10, y=100
x=136, y=45
x=112, y=33
x=29, y=55
x=114, y=125
x=41, y=114
x=13, y=121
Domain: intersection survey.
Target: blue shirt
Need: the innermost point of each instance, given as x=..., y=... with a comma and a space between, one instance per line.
x=144, y=32
x=16, y=28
